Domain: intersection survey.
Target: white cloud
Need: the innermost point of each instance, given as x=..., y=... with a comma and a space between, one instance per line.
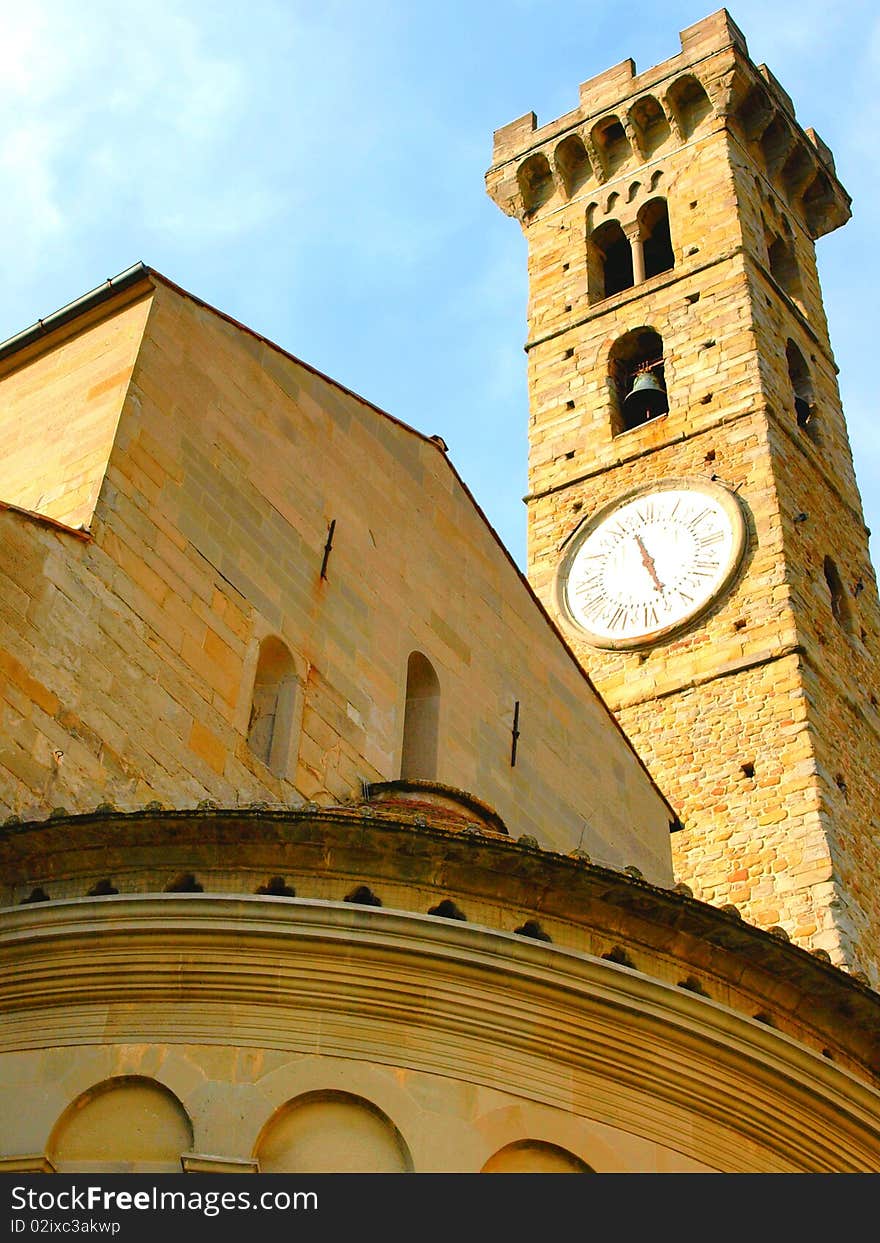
x=117, y=117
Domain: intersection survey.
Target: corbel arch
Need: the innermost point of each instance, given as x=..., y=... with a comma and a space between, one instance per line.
x=691, y=105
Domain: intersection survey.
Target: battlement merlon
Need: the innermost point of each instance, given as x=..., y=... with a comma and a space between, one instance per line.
x=714, y=61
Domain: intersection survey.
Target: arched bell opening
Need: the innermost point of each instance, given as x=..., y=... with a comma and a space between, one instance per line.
x=637, y=378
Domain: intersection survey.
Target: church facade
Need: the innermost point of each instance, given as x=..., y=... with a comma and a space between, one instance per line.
x=331, y=842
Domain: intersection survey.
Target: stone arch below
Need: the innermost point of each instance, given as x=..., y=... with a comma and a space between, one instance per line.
x=331, y=1133
x=534, y=1156
x=127, y=1124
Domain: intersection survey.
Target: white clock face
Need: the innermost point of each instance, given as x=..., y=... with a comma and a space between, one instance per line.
x=651, y=562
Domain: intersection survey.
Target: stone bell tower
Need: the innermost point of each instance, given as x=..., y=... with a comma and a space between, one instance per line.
x=694, y=522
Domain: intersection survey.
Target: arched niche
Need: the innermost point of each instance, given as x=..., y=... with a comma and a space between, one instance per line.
x=650, y=122
x=331, y=1133
x=690, y=103
x=610, y=140
x=532, y=1156
x=130, y=1124
x=273, y=706
x=573, y=163
x=535, y=180
x=421, y=720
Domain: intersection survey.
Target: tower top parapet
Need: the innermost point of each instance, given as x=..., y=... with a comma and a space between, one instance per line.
x=626, y=119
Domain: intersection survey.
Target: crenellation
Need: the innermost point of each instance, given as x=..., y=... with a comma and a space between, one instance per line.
x=711, y=77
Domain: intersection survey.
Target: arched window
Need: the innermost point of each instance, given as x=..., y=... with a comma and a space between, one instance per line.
x=656, y=241
x=840, y=605
x=801, y=385
x=421, y=720
x=272, y=706
x=609, y=261
x=638, y=379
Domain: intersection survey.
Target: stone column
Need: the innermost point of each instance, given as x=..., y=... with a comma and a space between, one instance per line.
x=634, y=237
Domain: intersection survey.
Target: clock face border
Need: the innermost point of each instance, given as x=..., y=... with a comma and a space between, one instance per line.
x=723, y=496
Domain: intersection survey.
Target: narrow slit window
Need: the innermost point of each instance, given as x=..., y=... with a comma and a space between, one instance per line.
x=840, y=606
x=421, y=720
x=272, y=706
x=801, y=386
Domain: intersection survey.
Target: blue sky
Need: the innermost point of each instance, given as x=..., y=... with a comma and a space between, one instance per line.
x=316, y=171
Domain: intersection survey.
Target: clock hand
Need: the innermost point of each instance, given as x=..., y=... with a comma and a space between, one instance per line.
x=648, y=563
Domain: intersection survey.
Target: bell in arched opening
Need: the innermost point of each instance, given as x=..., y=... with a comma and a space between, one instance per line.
x=645, y=400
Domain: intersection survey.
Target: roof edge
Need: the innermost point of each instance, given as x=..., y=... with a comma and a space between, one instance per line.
x=113, y=285
x=31, y=515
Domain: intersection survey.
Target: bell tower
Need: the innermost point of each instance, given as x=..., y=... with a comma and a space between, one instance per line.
x=694, y=523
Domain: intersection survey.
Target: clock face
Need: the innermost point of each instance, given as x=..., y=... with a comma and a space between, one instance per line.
x=651, y=562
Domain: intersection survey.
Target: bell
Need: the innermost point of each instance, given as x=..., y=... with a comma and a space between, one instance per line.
x=645, y=400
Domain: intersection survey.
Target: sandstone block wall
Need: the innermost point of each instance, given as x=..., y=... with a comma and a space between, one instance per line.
x=53, y=453
x=133, y=654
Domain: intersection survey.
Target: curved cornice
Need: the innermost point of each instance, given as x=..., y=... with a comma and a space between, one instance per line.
x=500, y=883
x=544, y=1022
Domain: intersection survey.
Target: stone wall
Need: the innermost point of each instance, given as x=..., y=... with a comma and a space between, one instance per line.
x=53, y=453
x=130, y=657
